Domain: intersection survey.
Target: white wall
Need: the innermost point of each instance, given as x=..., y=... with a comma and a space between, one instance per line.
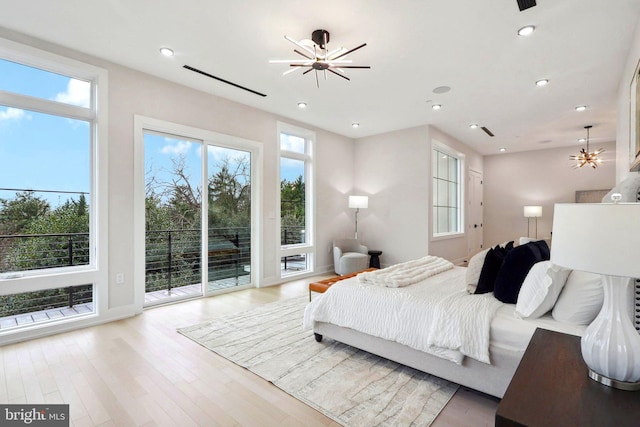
x=455, y=249
x=393, y=169
x=623, y=114
x=542, y=177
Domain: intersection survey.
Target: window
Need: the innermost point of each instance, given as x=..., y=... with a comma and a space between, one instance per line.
x=50, y=191
x=296, y=197
x=447, y=191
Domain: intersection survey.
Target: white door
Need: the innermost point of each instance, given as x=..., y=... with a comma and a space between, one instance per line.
x=474, y=224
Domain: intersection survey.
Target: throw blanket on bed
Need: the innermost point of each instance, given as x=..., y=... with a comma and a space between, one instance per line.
x=406, y=273
x=436, y=315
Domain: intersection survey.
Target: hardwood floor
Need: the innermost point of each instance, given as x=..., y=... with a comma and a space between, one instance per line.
x=140, y=372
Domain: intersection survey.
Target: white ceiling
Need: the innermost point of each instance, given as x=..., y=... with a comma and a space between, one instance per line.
x=413, y=46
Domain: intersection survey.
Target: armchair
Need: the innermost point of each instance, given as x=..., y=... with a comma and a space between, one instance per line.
x=349, y=256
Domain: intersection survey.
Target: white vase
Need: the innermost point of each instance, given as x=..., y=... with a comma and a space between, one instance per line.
x=611, y=344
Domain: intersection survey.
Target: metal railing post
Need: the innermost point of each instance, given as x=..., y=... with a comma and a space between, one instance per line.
x=285, y=243
x=169, y=259
x=237, y=243
x=70, y=250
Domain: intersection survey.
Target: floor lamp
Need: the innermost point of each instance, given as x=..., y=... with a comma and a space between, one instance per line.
x=357, y=203
x=604, y=238
x=532, y=212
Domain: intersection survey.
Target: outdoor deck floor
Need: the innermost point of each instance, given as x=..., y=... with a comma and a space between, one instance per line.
x=45, y=315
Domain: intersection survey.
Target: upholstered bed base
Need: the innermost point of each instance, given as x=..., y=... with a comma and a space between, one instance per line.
x=491, y=379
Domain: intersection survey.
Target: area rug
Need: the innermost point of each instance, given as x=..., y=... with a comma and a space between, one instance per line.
x=350, y=386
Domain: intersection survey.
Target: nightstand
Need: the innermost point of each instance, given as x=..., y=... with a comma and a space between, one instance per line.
x=551, y=387
x=374, y=261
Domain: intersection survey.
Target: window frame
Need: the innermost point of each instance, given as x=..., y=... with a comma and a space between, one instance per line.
x=437, y=146
x=309, y=247
x=96, y=114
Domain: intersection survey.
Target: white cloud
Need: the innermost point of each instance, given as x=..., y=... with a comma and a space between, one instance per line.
x=12, y=114
x=78, y=93
x=175, y=146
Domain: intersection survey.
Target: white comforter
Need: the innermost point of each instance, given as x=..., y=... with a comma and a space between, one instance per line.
x=436, y=315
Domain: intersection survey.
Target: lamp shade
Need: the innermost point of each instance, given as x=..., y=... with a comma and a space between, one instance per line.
x=532, y=211
x=597, y=237
x=359, y=202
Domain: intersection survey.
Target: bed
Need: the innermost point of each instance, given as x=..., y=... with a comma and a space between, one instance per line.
x=391, y=323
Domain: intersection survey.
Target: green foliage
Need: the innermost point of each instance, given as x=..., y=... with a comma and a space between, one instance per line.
x=230, y=194
x=16, y=214
x=292, y=210
x=64, y=241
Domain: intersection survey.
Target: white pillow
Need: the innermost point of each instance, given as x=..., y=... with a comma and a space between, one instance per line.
x=473, y=270
x=581, y=299
x=540, y=289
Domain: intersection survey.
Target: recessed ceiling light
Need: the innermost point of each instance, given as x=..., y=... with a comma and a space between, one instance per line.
x=302, y=105
x=436, y=106
x=582, y=140
x=473, y=126
x=355, y=125
x=502, y=149
x=166, y=51
x=542, y=82
x=527, y=30
x=581, y=107
x=442, y=89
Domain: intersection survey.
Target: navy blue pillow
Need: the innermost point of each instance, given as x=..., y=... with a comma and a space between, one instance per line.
x=515, y=267
x=492, y=262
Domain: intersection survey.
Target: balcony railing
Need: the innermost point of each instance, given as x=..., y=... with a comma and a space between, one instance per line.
x=172, y=259
x=173, y=256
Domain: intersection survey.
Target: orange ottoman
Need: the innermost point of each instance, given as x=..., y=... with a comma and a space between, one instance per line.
x=322, y=285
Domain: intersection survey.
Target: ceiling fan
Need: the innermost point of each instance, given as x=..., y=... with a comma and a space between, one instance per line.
x=317, y=57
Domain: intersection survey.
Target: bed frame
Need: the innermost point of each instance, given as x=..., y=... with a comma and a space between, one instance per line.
x=491, y=379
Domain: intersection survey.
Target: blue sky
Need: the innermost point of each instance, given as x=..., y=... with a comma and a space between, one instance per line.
x=40, y=151
x=45, y=152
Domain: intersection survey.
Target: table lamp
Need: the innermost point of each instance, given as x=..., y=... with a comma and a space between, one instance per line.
x=604, y=238
x=357, y=203
x=532, y=212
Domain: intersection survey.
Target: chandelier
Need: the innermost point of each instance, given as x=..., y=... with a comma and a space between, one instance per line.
x=316, y=57
x=586, y=157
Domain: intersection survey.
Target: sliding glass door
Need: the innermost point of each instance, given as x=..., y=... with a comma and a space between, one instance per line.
x=195, y=245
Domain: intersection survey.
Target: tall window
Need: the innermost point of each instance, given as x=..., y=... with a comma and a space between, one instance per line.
x=296, y=197
x=48, y=185
x=447, y=206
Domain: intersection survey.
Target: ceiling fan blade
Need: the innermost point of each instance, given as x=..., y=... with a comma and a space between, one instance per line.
x=300, y=45
x=338, y=74
x=355, y=66
x=306, y=64
x=317, y=81
x=290, y=71
x=349, y=51
x=304, y=54
x=285, y=61
x=310, y=69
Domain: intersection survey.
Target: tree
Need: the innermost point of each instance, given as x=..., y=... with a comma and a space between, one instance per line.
x=230, y=194
x=16, y=214
x=292, y=209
